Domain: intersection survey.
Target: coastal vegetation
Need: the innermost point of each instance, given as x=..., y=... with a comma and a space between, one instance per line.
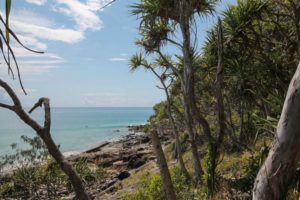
x=230, y=118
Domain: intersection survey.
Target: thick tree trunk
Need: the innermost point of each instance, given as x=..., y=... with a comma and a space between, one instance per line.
x=187, y=86
x=163, y=166
x=276, y=173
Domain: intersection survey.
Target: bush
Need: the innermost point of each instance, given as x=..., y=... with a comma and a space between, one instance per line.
x=152, y=188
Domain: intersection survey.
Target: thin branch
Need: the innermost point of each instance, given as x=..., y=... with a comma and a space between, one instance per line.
x=175, y=70
x=11, y=93
x=109, y=3
x=2, y=105
x=174, y=42
x=44, y=101
x=37, y=104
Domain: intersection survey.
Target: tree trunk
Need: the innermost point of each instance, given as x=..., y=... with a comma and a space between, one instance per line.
x=163, y=166
x=177, y=139
x=65, y=166
x=44, y=133
x=187, y=86
x=277, y=172
x=221, y=114
x=174, y=127
x=58, y=157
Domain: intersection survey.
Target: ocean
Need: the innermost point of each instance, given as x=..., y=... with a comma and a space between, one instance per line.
x=74, y=129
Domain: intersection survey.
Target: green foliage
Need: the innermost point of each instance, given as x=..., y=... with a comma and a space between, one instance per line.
x=86, y=173
x=254, y=162
x=152, y=188
x=36, y=176
x=36, y=153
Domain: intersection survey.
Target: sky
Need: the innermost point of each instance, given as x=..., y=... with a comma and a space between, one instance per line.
x=87, y=51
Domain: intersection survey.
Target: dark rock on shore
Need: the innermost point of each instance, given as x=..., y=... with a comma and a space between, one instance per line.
x=120, y=157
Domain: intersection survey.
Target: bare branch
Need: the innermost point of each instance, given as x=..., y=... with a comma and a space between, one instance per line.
x=2, y=105
x=44, y=101
x=11, y=93
x=47, y=122
x=37, y=104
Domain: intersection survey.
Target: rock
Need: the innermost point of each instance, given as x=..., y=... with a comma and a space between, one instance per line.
x=118, y=163
x=145, y=139
x=97, y=148
x=136, y=128
x=135, y=162
x=152, y=158
x=122, y=175
x=109, y=184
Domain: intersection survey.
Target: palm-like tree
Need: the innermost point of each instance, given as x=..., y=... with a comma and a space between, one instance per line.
x=160, y=20
x=138, y=61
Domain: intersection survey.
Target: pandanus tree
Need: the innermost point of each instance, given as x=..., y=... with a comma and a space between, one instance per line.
x=260, y=55
x=43, y=131
x=160, y=71
x=161, y=21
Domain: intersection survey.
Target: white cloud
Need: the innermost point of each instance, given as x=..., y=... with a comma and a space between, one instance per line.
x=83, y=14
x=36, y=30
x=31, y=41
x=48, y=33
x=121, y=58
x=118, y=59
x=37, y=2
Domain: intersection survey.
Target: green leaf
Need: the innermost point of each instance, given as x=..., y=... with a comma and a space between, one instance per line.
x=7, y=13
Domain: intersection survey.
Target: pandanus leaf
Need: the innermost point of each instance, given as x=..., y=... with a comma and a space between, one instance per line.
x=7, y=13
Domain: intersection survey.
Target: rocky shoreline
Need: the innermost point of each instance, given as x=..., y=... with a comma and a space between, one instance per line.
x=119, y=158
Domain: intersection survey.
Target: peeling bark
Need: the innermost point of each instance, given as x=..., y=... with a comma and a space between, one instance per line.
x=277, y=172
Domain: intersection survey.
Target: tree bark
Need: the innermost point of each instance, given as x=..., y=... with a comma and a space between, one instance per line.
x=187, y=86
x=174, y=127
x=220, y=111
x=163, y=166
x=44, y=133
x=219, y=83
x=275, y=175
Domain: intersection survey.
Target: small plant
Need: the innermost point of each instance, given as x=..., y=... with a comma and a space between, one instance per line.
x=35, y=154
x=152, y=188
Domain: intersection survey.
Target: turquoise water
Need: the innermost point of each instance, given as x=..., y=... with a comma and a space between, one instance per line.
x=75, y=129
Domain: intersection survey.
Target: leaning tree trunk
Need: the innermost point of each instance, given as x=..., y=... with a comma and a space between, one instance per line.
x=44, y=133
x=276, y=174
x=177, y=139
x=163, y=166
x=174, y=127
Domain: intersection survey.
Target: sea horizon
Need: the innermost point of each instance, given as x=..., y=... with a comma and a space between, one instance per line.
x=75, y=129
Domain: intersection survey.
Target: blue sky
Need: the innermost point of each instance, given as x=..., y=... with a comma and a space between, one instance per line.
x=86, y=53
